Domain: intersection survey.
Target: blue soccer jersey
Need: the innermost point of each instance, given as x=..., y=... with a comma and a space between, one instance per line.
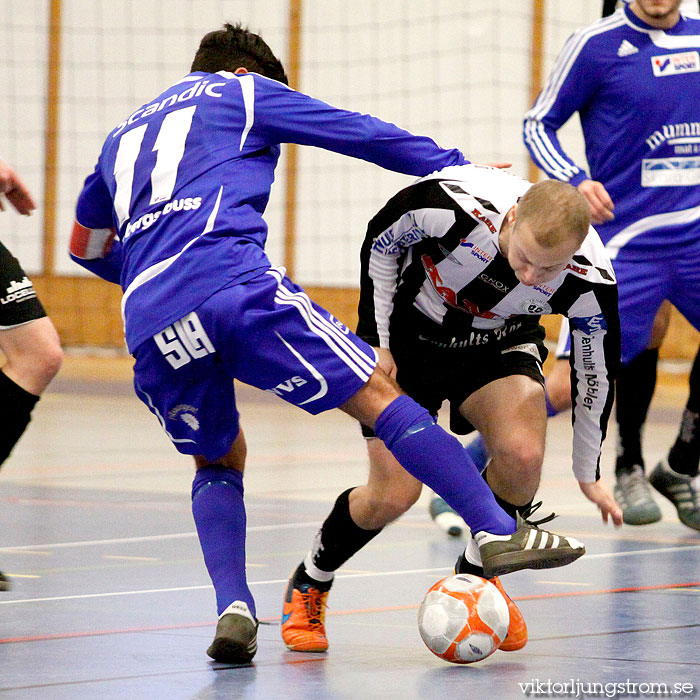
x=637, y=92
x=183, y=183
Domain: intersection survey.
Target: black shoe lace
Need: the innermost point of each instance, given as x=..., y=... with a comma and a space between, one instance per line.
x=525, y=514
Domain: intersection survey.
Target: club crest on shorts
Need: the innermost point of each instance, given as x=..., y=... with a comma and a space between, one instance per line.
x=186, y=414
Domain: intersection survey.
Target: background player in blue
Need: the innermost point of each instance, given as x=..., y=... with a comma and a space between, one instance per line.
x=633, y=79
x=182, y=183
x=28, y=339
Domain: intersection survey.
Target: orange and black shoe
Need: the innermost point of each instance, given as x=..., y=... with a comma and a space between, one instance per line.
x=304, y=614
x=517, y=629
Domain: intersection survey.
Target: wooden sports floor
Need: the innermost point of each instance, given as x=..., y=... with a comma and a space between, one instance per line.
x=111, y=598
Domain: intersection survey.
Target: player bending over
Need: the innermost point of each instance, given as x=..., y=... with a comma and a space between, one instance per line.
x=456, y=270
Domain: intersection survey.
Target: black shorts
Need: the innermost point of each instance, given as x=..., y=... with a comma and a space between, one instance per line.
x=18, y=300
x=433, y=372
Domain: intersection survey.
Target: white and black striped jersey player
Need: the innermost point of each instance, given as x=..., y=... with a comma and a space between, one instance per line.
x=434, y=275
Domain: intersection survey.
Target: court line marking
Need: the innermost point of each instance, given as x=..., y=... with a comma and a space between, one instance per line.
x=359, y=611
x=150, y=538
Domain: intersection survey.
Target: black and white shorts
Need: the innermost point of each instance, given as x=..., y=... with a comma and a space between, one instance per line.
x=430, y=372
x=18, y=300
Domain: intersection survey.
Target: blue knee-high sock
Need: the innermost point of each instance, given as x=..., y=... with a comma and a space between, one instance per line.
x=439, y=460
x=477, y=452
x=219, y=514
x=551, y=411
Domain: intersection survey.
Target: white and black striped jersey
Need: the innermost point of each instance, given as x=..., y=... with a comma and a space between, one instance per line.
x=431, y=265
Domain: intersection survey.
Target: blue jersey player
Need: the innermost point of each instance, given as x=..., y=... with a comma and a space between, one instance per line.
x=633, y=79
x=173, y=212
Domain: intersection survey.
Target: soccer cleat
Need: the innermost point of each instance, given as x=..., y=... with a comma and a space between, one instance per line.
x=633, y=494
x=683, y=491
x=446, y=518
x=236, y=638
x=4, y=583
x=527, y=548
x=303, y=617
x=517, y=629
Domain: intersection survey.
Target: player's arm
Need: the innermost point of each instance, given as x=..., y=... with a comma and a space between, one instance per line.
x=595, y=352
x=15, y=190
x=570, y=86
x=93, y=243
x=287, y=116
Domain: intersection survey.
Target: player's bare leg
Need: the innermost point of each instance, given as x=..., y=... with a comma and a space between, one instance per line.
x=33, y=357
x=510, y=413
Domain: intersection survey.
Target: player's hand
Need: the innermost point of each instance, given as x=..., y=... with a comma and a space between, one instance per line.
x=598, y=199
x=15, y=190
x=598, y=493
x=386, y=362
x=497, y=164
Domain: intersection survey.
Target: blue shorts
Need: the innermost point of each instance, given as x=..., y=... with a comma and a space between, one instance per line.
x=643, y=283
x=265, y=332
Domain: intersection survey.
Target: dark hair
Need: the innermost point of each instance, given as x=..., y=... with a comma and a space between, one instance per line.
x=233, y=47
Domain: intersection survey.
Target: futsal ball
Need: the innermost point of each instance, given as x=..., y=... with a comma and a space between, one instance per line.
x=463, y=618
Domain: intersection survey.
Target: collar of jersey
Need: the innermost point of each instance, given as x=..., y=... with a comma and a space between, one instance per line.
x=640, y=24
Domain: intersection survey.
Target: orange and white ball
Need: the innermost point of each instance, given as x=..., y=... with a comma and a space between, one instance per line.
x=463, y=618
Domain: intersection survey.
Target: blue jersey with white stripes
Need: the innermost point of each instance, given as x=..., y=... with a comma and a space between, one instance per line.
x=637, y=92
x=185, y=179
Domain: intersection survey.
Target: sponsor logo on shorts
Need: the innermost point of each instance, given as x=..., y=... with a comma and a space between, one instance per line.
x=287, y=386
x=185, y=413
x=338, y=324
x=675, y=63
x=18, y=291
x=529, y=348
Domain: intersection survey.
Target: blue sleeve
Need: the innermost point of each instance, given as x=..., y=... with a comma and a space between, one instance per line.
x=94, y=211
x=108, y=268
x=287, y=116
x=94, y=207
x=569, y=88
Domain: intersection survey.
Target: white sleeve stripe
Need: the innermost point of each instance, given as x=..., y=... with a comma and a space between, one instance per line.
x=247, y=84
x=536, y=134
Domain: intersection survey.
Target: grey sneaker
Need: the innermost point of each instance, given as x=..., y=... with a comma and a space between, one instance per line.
x=527, y=548
x=236, y=639
x=683, y=491
x=4, y=583
x=445, y=518
x=633, y=494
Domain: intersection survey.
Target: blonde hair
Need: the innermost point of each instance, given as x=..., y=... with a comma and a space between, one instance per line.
x=555, y=212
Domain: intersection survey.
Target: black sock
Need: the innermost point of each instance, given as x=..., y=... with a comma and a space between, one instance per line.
x=339, y=537
x=685, y=453
x=635, y=387
x=16, y=406
x=509, y=508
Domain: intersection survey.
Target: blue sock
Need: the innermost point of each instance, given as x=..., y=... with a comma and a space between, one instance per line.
x=219, y=514
x=476, y=450
x=551, y=411
x=439, y=460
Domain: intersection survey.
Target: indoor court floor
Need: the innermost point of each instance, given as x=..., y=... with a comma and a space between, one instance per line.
x=111, y=598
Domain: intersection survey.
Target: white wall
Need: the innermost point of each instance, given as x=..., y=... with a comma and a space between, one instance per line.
x=457, y=71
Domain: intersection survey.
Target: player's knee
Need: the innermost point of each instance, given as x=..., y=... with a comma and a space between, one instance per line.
x=49, y=361
x=387, y=505
x=522, y=456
